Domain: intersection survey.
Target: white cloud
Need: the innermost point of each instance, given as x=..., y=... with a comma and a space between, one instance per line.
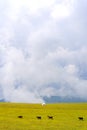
x=71, y=69
x=33, y=6
x=42, y=52
x=60, y=11
x=22, y=95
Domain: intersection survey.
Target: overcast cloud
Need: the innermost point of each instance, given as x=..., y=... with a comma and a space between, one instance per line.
x=43, y=49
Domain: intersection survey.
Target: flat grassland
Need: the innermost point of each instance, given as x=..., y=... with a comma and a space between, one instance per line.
x=65, y=116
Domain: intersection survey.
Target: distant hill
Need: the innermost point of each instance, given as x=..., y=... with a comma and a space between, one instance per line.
x=2, y=100
x=55, y=99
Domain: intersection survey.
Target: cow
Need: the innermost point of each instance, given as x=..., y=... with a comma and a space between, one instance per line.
x=20, y=116
x=38, y=117
x=50, y=117
x=80, y=118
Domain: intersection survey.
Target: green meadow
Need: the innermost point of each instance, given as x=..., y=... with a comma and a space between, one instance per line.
x=65, y=116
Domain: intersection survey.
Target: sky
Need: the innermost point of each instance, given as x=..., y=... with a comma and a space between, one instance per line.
x=43, y=49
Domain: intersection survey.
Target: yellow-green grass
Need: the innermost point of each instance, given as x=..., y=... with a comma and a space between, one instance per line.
x=65, y=116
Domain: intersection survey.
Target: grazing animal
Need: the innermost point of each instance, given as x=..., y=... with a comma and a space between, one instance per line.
x=50, y=117
x=43, y=104
x=39, y=117
x=80, y=118
x=20, y=116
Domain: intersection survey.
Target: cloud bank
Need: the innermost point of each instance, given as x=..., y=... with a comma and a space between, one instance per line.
x=43, y=49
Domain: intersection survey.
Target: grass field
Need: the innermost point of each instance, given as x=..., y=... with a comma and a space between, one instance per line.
x=65, y=116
